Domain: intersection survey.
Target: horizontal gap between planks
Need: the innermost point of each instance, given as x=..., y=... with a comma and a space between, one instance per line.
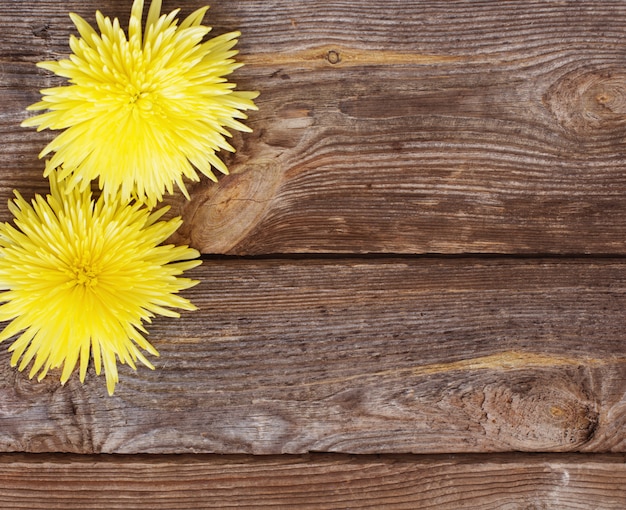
x=509, y=457
x=416, y=256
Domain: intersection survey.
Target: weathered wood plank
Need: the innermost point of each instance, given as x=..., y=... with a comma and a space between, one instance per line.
x=396, y=356
x=413, y=127
x=313, y=481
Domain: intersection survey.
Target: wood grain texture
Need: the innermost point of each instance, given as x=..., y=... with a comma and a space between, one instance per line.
x=407, y=127
x=413, y=127
x=314, y=482
x=396, y=356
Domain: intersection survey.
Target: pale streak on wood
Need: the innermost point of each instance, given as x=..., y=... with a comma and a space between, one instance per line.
x=504, y=361
x=317, y=57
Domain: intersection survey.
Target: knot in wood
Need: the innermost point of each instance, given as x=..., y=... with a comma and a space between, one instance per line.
x=42, y=30
x=225, y=215
x=333, y=57
x=534, y=414
x=590, y=103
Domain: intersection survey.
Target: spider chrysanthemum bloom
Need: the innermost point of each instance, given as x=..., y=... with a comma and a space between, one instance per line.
x=80, y=276
x=142, y=112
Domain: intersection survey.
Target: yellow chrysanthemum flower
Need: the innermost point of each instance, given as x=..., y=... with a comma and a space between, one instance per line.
x=144, y=111
x=80, y=276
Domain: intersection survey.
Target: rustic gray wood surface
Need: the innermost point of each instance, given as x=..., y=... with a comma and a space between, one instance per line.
x=487, y=135
x=423, y=356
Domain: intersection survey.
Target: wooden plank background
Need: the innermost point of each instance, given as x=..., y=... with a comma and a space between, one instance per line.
x=420, y=251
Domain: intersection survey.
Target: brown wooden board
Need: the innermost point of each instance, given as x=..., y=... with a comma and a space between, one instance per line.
x=353, y=356
x=313, y=481
x=408, y=127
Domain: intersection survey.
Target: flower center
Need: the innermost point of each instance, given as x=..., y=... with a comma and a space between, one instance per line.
x=140, y=98
x=84, y=273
